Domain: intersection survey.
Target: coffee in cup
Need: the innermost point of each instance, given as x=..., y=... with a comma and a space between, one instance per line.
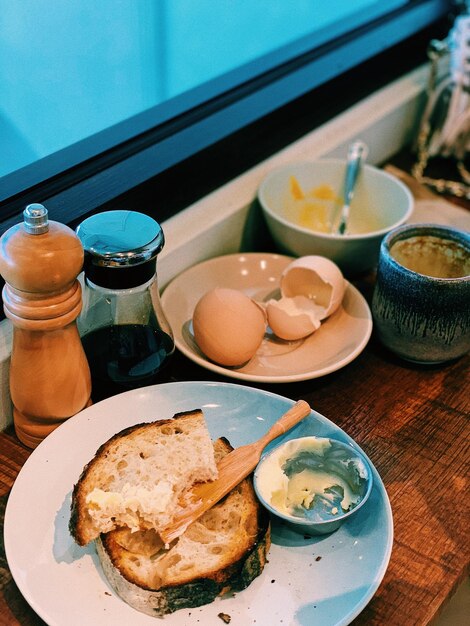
x=421, y=301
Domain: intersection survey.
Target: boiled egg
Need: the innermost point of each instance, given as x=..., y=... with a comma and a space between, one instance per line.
x=228, y=326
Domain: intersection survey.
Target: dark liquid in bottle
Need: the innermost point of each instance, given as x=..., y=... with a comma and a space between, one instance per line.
x=124, y=357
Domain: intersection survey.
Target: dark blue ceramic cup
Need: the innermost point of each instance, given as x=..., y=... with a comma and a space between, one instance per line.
x=421, y=300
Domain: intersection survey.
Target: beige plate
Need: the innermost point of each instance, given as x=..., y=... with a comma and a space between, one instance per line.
x=340, y=339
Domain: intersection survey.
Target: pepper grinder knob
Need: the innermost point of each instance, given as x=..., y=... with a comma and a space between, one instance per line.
x=35, y=217
x=49, y=373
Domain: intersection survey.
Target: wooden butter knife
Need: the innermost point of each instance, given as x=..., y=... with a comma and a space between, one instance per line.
x=233, y=468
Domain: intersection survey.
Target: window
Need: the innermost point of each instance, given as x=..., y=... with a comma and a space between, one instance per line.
x=101, y=99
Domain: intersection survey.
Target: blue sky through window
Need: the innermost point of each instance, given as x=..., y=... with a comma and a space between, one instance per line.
x=71, y=69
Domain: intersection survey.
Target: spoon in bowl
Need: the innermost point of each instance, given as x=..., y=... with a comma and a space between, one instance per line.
x=357, y=153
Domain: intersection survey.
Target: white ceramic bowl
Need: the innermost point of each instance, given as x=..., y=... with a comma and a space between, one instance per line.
x=381, y=203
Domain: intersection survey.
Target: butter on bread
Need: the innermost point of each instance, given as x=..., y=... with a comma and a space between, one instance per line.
x=137, y=477
x=222, y=551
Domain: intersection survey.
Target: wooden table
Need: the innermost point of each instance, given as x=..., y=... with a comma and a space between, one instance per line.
x=413, y=422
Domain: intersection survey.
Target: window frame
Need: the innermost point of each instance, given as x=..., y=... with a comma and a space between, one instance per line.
x=91, y=174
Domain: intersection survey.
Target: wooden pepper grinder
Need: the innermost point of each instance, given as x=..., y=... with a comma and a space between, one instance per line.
x=49, y=374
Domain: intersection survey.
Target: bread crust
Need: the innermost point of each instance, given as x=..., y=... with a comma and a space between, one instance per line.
x=240, y=564
x=204, y=590
x=80, y=525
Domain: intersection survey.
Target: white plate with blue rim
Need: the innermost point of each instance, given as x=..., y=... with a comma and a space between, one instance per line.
x=325, y=580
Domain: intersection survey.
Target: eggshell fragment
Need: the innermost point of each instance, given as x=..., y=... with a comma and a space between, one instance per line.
x=292, y=318
x=316, y=278
x=228, y=326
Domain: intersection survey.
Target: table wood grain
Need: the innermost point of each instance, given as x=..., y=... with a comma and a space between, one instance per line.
x=413, y=422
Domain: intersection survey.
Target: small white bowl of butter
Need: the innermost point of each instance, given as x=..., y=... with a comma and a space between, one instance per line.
x=313, y=483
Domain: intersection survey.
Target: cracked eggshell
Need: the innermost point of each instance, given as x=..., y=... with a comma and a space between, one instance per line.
x=292, y=318
x=228, y=326
x=316, y=278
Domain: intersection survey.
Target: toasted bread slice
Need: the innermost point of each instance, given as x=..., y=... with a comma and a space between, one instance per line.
x=136, y=478
x=224, y=550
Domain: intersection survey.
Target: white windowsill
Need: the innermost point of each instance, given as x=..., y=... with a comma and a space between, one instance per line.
x=218, y=224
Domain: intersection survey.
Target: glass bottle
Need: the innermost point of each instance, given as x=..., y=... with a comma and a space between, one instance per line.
x=125, y=334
